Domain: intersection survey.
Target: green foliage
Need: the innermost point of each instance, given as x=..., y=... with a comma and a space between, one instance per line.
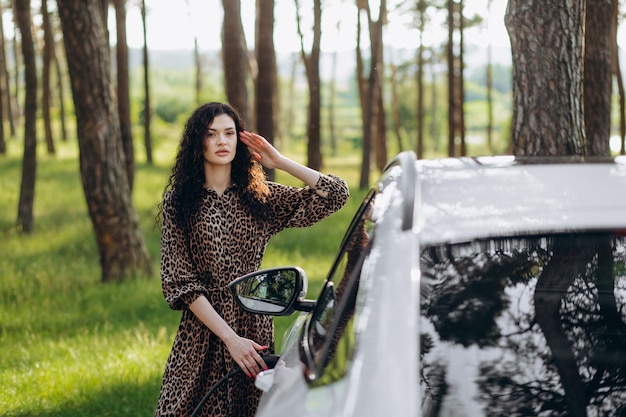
x=501, y=77
x=72, y=346
x=174, y=95
x=169, y=109
x=435, y=116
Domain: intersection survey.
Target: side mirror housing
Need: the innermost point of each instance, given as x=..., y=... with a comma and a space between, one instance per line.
x=275, y=291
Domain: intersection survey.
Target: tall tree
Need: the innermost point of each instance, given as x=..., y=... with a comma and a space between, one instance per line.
x=547, y=39
x=395, y=107
x=147, y=105
x=312, y=68
x=598, y=83
x=460, y=78
x=123, y=90
x=434, y=103
x=25, y=221
x=5, y=79
x=620, y=81
x=380, y=138
x=17, y=62
x=235, y=58
x=371, y=90
x=3, y=143
x=265, y=85
x=197, y=58
x=489, y=77
x=421, y=14
x=332, y=92
x=456, y=82
x=46, y=90
x=61, y=92
x=291, y=94
x=121, y=246
x=5, y=97
x=362, y=6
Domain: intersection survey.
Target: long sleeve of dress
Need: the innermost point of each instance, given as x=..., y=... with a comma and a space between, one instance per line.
x=302, y=207
x=179, y=281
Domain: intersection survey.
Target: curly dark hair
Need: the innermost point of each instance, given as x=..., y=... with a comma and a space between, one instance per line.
x=186, y=181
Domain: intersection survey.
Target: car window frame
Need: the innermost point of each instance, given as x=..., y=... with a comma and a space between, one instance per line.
x=314, y=368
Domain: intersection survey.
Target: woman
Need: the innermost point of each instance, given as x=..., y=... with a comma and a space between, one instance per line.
x=218, y=214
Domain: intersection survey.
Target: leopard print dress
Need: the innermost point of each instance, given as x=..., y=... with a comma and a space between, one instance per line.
x=225, y=243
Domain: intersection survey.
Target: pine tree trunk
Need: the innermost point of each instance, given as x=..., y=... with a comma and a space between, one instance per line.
x=381, y=128
x=617, y=71
x=312, y=67
x=598, y=83
x=369, y=108
x=451, y=84
x=46, y=93
x=489, y=77
x=235, y=58
x=381, y=120
x=460, y=79
x=4, y=92
x=265, y=82
x=25, y=217
x=121, y=246
x=15, y=98
x=547, y=51
x=314, y=152
x=147, y=105
x=421, y=7
x=123, y=91
x=60, y=91
x=395, y=108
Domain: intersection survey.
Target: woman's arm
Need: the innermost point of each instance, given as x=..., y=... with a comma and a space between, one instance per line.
x=266, y=154
x=242, y=350
x=179, y=281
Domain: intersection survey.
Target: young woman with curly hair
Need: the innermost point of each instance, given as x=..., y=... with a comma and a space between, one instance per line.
x=218, y=214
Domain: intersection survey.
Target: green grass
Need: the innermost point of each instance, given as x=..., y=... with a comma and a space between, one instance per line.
x=72, y=346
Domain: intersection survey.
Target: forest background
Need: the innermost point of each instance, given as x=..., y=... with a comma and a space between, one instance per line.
x=84, y=329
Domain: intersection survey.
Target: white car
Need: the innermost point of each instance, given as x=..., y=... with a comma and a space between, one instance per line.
x=463, y=287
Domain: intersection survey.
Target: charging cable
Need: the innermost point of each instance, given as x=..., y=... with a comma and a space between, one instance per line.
x=270, y=361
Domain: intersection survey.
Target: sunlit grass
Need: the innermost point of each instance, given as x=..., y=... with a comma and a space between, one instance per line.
x=72, y=346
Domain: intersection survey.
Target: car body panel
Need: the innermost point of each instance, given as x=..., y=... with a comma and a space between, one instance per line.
x=465, y=198
x=382, y=380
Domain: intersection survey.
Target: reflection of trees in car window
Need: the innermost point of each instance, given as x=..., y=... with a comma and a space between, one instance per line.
x=348, y=260
x=331, y=335
x=281, y=285
x=273, y=287
x=543, y=320
x=333, y=360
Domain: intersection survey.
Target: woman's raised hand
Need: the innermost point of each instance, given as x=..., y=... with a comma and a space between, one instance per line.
x=261, y=149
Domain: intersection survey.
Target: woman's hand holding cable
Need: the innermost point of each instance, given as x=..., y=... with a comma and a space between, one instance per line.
x=247, y=355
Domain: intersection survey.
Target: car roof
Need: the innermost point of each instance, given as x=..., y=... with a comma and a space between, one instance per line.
x=461, y=199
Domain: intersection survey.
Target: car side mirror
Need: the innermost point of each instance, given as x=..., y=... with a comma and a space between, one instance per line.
x=274, y=291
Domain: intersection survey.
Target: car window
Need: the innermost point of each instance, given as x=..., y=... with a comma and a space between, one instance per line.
x=522, y=326
x=329, y=336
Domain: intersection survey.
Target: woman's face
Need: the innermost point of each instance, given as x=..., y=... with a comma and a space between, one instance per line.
x=220, y=142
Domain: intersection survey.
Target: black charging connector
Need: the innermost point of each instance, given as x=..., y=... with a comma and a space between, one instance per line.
x=270, y=361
